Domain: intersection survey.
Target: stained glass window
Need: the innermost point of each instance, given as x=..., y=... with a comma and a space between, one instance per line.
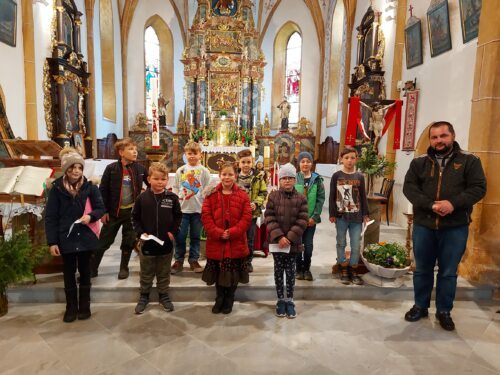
x=152, y=69
x=292, y=75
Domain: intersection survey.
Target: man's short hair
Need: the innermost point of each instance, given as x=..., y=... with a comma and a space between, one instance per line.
x=244, y=153
x=123, y=143
x=348, y=150
x=158, y=167
x=192, y=146
x=438, y=124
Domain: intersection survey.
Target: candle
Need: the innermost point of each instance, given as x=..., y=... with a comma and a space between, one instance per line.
x=236, y=110
x=204, y=118
x=409, y=209
x=267, y=152
x=238, y=120
x=252, y=150
x=209, y=108
x=254, y=122
x=191, y=117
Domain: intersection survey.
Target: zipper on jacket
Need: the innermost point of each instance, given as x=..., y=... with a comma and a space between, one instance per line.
x=437, y=195
x=121, y=188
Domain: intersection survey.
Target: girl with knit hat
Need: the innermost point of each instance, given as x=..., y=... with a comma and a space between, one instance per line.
x=311, y=185
x=73, y=204
x=286, y=219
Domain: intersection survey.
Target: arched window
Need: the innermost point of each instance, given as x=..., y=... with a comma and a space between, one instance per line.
x=152, y=73
x=292, y=75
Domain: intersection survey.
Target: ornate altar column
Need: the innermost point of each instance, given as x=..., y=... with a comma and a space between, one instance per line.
x=482, y=258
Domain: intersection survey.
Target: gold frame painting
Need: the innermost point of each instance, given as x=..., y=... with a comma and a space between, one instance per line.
x=8, y=22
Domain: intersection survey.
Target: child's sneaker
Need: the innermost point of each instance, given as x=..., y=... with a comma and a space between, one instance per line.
x=290, y=310
x=141, y=305
x=165, y=302
x=281, y=309
x=356, y=280
x=344, y=275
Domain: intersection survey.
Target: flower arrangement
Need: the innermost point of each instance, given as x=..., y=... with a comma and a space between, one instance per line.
x=387, y=254
x=246, y=136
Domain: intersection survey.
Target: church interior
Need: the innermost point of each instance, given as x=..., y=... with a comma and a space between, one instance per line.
x=278, y=77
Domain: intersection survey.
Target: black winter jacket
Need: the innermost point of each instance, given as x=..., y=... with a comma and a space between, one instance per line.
x=63, y=209
x=462, y=182
x=286, y=215
x=157, y=214
x=111, y=184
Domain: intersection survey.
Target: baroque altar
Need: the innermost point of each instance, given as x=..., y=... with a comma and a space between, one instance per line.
x=223, y=67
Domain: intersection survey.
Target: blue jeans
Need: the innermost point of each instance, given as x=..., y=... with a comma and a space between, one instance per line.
x=355, y=240
x=191, y=222
x=447, y=246
x=251, y=238
x=304, y=259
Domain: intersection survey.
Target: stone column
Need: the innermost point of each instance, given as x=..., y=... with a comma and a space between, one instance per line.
x=482, y=258
x=29, y=70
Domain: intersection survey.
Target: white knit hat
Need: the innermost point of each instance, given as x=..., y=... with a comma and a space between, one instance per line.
x=287, y=170
x=69, y=158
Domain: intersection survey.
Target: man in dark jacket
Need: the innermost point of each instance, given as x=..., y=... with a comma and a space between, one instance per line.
x=121, y=184
x=442, y=185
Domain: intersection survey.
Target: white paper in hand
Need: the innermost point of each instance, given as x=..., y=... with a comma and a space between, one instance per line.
x=72, y=225
x=275, y=248
x=146, y=237
x=366, y=226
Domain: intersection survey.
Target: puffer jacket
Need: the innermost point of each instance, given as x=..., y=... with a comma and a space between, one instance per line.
x=216, y=216
x=461, y=182
x=286, y=216
x=63, y=209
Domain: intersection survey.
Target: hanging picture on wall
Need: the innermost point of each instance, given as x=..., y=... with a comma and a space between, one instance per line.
x=8, y=22
x=413, y=42
x=438, y=22
x=470, y=11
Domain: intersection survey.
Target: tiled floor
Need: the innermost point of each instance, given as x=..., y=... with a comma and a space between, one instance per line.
x=327, y=337
x=340, y=337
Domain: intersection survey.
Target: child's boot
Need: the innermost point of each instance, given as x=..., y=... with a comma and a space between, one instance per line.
x=143, y=302
x=165, y=302
x=124, y=272
x=84, y=303
x=227, y=305
x=71, y=305
x=353, y=270
x=219, y=299
x=344, y=274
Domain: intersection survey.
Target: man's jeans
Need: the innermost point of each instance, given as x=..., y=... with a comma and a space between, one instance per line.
x=355, y=240
x=447, y=246
x=191, y=223
x=304, y=259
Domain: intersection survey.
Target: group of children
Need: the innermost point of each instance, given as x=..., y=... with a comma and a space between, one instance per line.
x=157, y=223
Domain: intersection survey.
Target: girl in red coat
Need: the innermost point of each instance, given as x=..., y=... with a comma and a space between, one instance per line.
x=226, y=215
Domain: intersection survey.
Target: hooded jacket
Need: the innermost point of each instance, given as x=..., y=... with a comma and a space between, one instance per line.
x=216, y=216
x=462, y=182
x=63, y=210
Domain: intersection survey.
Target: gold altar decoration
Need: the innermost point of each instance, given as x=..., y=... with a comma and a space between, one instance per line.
x=303, y=128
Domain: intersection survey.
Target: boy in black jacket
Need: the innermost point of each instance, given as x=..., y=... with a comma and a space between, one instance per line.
x=156, y=213
x=121, y=184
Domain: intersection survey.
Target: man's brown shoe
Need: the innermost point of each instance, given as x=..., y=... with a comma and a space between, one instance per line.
x=176, y=267
x=196, y=267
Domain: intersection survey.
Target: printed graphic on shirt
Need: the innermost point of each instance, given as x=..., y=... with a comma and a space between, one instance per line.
x=166, y=203
x=127, y=196
x=348, y=198
x=190, y=183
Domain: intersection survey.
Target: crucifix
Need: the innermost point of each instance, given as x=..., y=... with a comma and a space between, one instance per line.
x=411, y=10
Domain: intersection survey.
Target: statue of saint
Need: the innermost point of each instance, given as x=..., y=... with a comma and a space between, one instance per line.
x=162, y=105
x=284, y=107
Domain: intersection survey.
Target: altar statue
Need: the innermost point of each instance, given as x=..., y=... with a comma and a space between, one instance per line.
x=284, y=107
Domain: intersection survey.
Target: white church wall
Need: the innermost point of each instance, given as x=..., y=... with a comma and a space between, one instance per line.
x=135, y=57
x=104, y=126
x=295, y=11
x=12, y=80
x=445, y=84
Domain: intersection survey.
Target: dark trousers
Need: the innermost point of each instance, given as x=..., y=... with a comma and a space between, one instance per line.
x=109, y=232
x=447, y=246
x=251, y=238
x=158, y=266
x=304, y=259
x=72, y=262
x=284, y=264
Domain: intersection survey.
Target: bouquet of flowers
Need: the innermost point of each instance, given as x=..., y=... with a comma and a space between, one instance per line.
x=387, y=254
x=246, y=136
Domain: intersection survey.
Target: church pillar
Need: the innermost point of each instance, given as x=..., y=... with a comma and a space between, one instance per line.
x=89, y=18
x=29, y=70
x=254, y=120
x=482, y=258
x=245, y=101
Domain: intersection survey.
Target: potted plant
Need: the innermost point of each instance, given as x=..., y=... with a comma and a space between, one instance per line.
x=373, y=165
x=18, y=256
x=386, y=261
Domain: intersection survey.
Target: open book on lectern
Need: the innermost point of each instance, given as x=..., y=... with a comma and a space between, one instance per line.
x=26, y=180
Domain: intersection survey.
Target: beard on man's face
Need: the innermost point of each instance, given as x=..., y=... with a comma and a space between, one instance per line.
x=444, y=150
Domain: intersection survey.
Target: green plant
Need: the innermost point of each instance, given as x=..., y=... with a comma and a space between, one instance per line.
x=198, y=135
x=387, y=254
x=222, y=113
x=373, y=165
x=18, y=256
x=232, y=136
x=246, y=136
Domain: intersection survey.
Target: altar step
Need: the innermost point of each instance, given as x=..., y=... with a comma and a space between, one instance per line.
x=320, y=289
